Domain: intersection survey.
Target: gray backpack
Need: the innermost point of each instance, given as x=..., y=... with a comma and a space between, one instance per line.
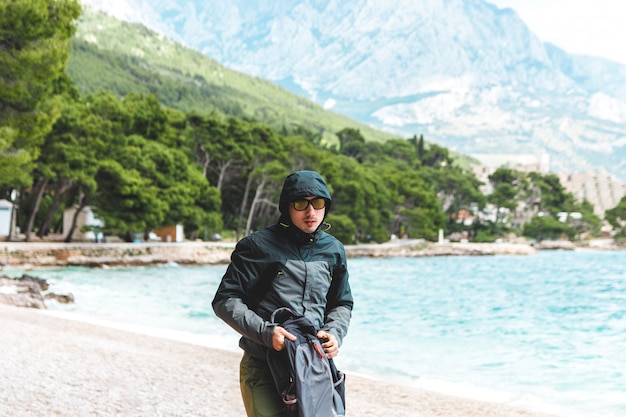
x=309, y=383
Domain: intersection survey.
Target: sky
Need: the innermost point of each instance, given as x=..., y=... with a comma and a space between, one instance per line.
x=584, y=27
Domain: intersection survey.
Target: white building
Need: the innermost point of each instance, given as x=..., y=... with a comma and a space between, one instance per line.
x=6, y=210
x=86, y=218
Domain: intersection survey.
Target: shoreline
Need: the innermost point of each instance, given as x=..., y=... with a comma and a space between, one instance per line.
x=66, y=367
x=29, y=255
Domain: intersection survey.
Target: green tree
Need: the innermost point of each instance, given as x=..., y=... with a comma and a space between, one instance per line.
x=589, y=223
x=419, y=146
x=234, y=154
x=357, y=192
x=396, y=150
x=435, y=156
x=351, y=143
x=183, y=190
x=126, y=202
x=264, y=207
x=547, y=227
x=218, y=145
x=456, y=189
x=417, y=212
x=554, y=200
x=617, y=218
x=34, y=47
x=85, y=134
x=507, y=186
x=554, y=197
x=68, y=163
x=143, y=182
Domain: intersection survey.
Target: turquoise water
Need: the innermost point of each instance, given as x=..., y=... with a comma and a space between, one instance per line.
x=545, y=332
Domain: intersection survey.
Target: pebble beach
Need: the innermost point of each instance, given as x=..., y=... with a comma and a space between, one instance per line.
x=54, y=366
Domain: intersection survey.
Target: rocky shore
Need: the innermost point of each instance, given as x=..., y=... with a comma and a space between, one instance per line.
x=47, y=254
x=29, y=291
x=34, y=255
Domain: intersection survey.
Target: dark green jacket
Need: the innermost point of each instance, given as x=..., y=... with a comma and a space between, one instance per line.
x=281, y=266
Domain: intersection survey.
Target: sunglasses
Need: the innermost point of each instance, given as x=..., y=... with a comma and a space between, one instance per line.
x=303, y=204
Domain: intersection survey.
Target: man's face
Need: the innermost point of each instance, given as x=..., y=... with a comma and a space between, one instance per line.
x=305, y=216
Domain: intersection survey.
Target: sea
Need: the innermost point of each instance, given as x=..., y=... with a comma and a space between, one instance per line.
x=543, y=332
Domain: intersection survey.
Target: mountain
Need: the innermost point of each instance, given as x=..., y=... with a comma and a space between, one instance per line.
x=464, y=73
x=113, y=55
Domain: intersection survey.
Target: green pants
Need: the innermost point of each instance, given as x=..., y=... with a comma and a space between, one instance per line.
x=257, y=388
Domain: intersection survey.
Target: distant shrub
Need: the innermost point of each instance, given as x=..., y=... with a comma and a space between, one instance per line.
x=546, y=227
x=485, y=236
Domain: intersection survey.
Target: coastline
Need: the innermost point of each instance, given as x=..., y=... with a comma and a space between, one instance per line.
x=65, y=367
x=30, y=255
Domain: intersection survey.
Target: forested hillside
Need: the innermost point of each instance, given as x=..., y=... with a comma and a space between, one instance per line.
x=109, y=54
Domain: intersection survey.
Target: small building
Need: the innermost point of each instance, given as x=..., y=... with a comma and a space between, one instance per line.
x=88, y=227
x=6, y=211
x=171, y=233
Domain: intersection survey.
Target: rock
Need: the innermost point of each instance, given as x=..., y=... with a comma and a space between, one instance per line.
x=27, y=291
x=555, y=245
x=61, y=298
x=418, y=248
x=42, y=283
x=21, y=293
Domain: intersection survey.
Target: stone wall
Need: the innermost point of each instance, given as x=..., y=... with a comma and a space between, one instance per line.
x=113, y=254
x=25, y=255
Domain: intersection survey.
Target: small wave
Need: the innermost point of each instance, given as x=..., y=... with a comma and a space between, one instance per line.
x=198, y=314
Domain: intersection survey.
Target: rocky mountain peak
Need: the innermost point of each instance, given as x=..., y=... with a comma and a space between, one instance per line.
x=463, y=73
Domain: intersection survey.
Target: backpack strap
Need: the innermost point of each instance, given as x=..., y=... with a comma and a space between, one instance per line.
x=282, y=314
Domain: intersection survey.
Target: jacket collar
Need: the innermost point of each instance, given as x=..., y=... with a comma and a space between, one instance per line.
x=296, y=235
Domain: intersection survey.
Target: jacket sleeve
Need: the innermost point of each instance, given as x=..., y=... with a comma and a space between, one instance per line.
x=340, y=302
x=245, y=270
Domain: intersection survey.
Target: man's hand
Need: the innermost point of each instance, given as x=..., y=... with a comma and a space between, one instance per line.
x=329, y=343
x=278, y=338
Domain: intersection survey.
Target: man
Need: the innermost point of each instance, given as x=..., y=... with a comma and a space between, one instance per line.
x=293, y=264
